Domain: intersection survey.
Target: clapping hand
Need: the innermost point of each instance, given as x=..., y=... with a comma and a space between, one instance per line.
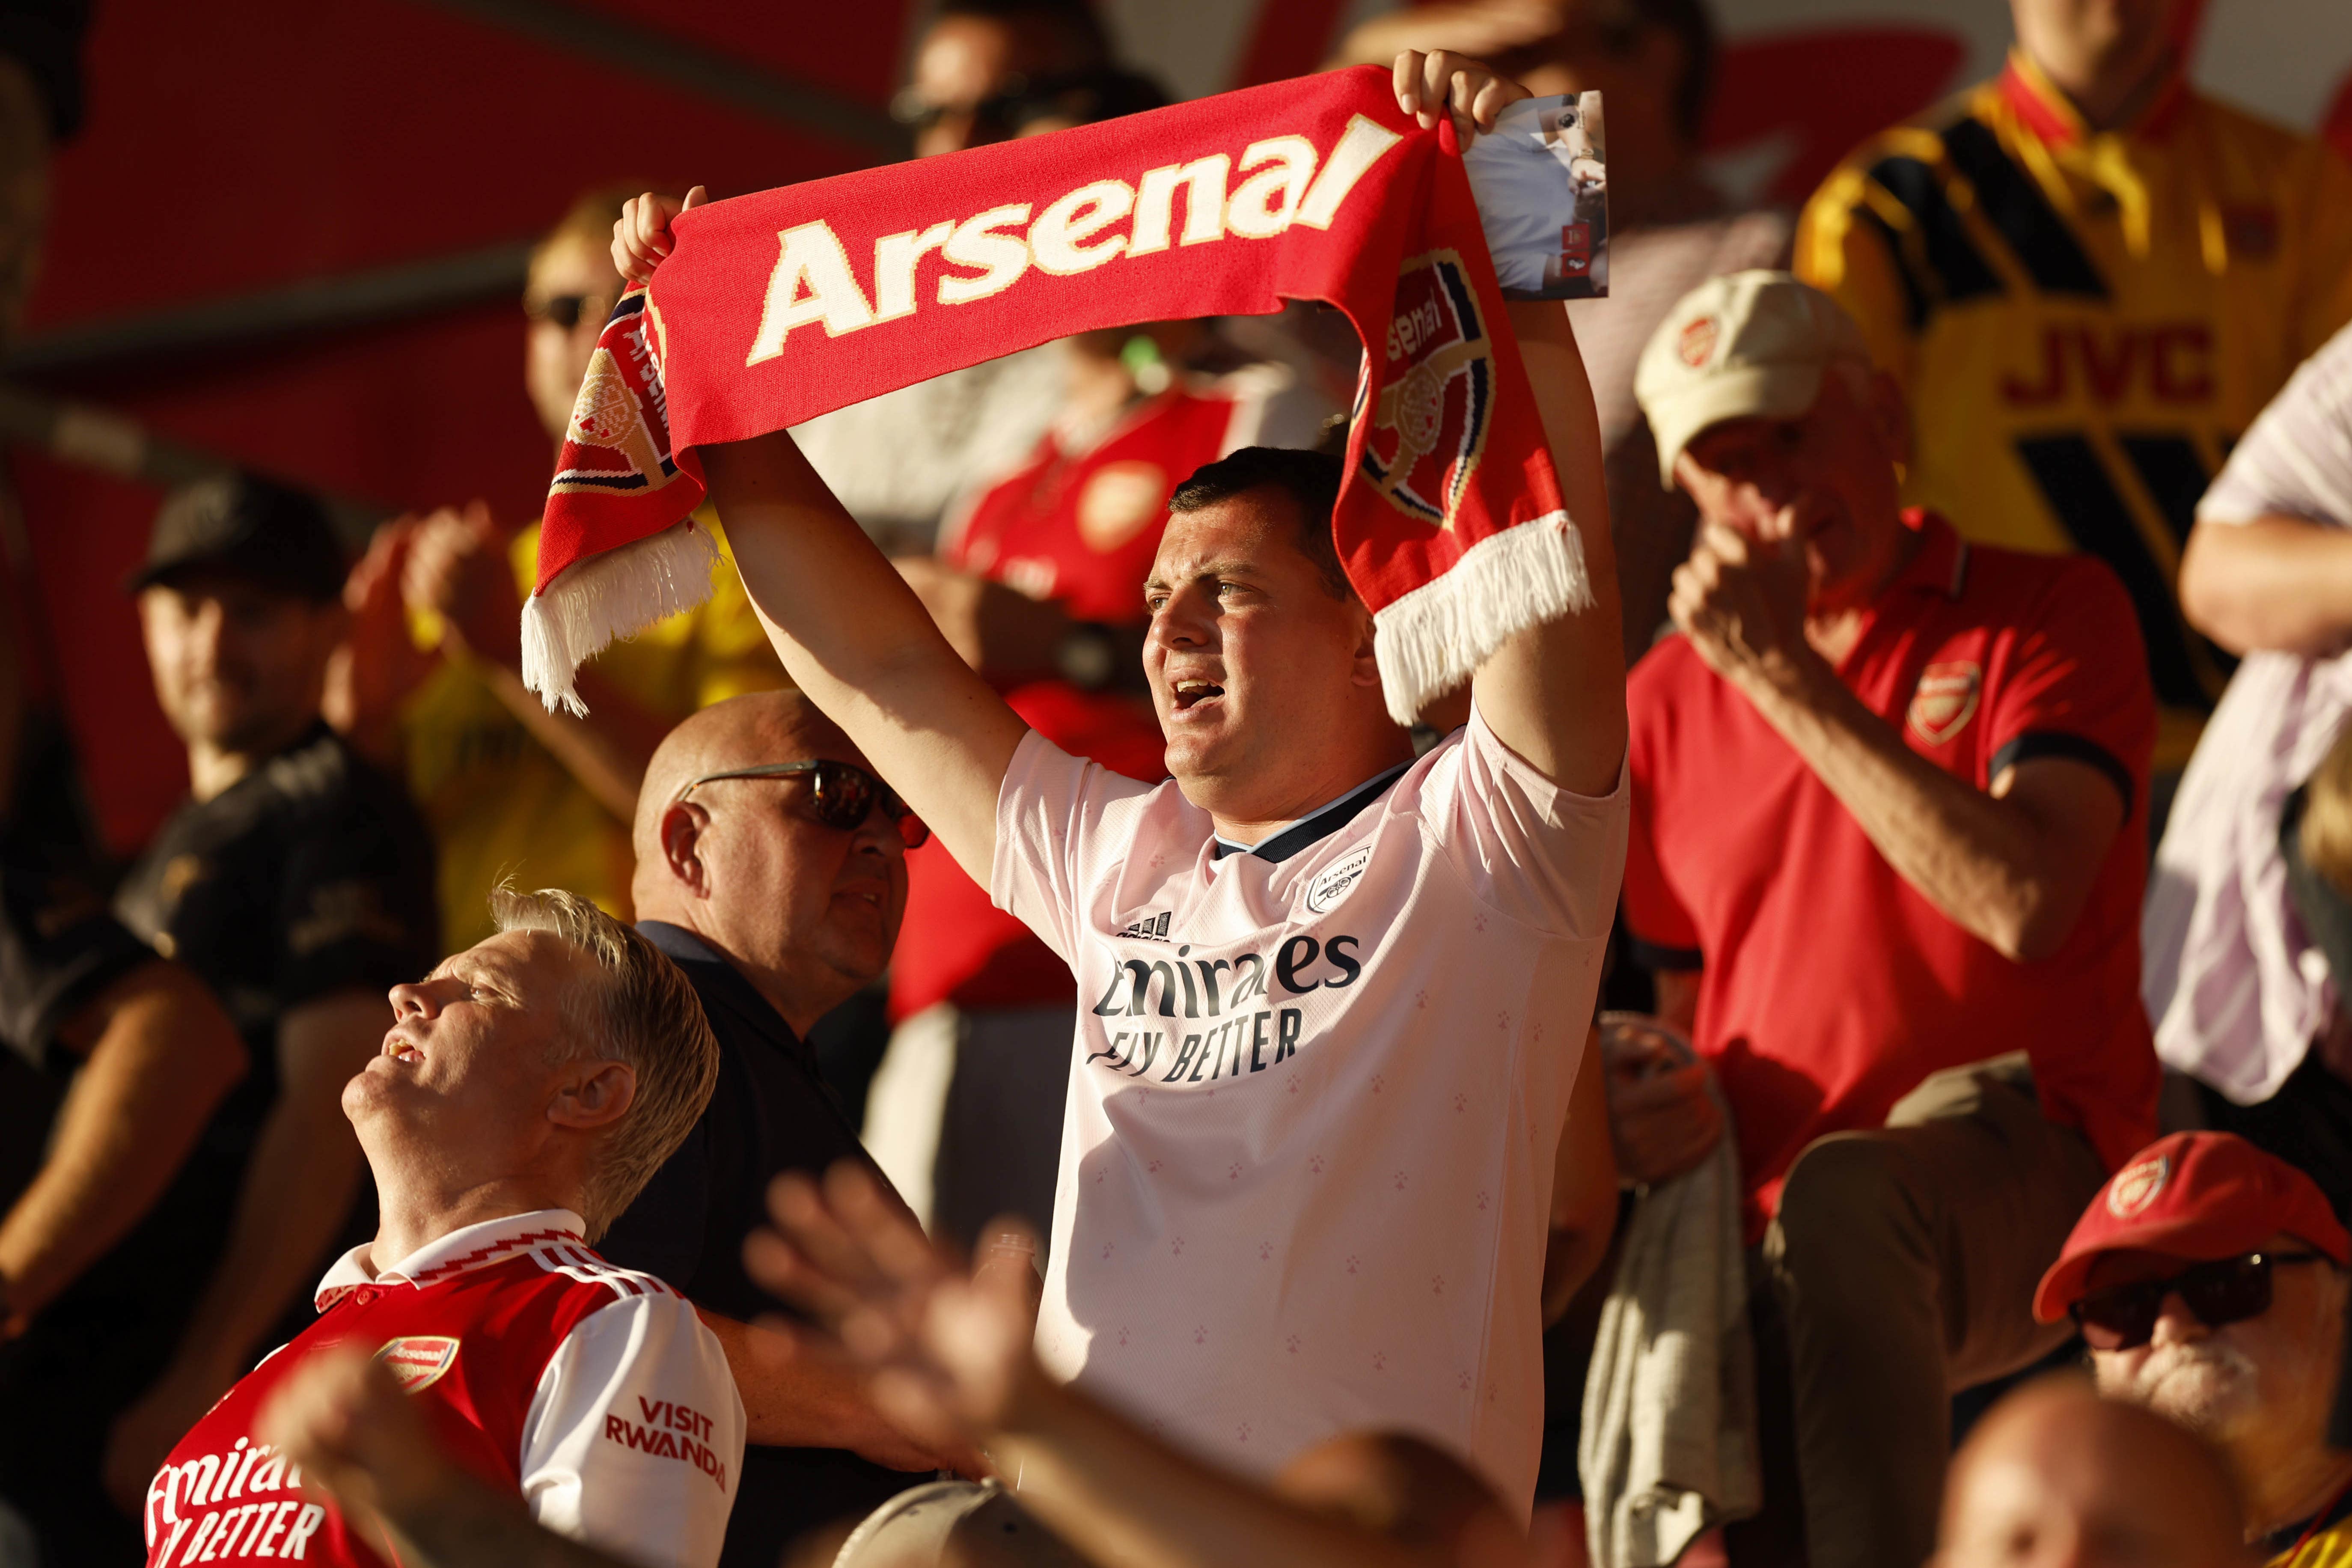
x=379, y=664
x=343, y=1418
x=1662, y=1116
x=457, y=568
x=1740, y=600
x=947, y=1352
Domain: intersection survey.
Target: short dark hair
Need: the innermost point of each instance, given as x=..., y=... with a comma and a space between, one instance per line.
x=1616, y=27
x=1312, y=480
x=1688, y=21
x=1072, y=23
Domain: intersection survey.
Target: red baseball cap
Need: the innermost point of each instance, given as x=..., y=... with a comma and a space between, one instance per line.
x=2196, y=1197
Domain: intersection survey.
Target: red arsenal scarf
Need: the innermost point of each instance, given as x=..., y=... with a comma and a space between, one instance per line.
x=775, y=307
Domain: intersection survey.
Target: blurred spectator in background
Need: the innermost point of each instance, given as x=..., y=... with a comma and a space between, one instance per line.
x=296, y=883
x=978, y=59
x=40, y=108
x=2088, y=279
x=984, y=70
x=436, y=677
x=2055, y=1476
x=1039, y=584
x=117, y=1061
x=2245, y=989
x=771, y=870
x=1652, y=61
x=2208, y=1279
x=1880, y=783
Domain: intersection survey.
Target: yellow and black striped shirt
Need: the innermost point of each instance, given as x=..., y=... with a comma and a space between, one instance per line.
x=2085, y=322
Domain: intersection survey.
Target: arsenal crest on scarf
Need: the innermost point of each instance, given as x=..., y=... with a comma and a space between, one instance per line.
x=1430, y=422
x=618, y=441
x=775, y=307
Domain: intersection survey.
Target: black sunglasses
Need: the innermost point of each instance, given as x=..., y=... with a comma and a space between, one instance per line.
x=565, y=310
x=2226, y=1291
x=845, y=794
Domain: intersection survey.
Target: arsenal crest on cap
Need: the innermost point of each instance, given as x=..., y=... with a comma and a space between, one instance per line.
x=2136, y=1186
x=1697, y=341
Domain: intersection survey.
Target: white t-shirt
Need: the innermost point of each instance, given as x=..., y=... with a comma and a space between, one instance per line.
x=1316, y=1094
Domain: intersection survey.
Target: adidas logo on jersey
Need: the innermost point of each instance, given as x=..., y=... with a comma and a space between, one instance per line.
x=1150, y=928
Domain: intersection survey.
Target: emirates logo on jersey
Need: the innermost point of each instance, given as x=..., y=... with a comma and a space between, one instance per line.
x=419, y=1361
x=1946, y=699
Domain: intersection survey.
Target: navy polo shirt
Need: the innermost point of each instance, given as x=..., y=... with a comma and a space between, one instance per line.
x=770, y=1112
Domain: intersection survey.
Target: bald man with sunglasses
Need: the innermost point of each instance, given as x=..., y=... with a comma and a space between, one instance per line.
x=771, y=869
x=2209, y=1279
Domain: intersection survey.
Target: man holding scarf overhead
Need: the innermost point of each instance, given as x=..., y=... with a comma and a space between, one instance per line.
x=1325, y=1119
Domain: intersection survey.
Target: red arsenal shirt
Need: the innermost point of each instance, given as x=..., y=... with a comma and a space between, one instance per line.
x=1829, y=985
x=1079, y=522
x=593, y=1392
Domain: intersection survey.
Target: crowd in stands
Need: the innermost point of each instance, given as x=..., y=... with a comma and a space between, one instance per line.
x=1831, y=1054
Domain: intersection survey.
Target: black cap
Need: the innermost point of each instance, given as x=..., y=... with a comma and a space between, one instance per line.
x=250, y=527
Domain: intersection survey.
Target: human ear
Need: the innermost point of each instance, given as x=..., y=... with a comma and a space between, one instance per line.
x=681, y=838
x=1365, y=663
x=594, y=1094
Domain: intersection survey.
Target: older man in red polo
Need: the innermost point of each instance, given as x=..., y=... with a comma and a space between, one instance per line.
x=1882, y=784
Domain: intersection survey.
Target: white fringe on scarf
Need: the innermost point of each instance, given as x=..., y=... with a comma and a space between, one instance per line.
x=1431, y=639
x=611, y=595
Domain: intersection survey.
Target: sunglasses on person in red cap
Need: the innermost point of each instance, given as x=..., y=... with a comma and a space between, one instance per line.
x=2213, y=1202
x=842, y=795
x=2226, y=1291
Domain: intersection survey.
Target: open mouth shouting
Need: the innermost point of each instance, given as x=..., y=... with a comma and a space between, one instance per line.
x=1188, y=694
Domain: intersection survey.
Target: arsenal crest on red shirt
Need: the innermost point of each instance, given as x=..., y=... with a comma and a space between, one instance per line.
x=418, y=1361
x=1945, y=700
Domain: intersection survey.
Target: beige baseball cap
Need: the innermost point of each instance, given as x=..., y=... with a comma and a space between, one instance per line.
x=953, y=1524
x=1744, y=345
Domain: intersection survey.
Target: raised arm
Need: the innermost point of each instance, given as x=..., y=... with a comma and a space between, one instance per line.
x=1555, y=694
x=850, y=631
x=853, y=636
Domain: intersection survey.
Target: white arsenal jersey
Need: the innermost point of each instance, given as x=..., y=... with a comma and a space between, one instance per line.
x=1316, y=1094
x=593, y=1392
